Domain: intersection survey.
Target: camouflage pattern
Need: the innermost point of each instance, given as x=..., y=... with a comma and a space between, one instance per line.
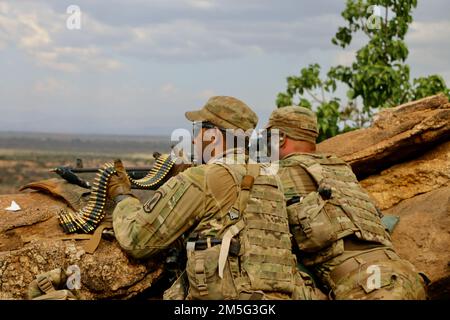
x=349, y=211
x=298, y=123
x=179, y=289
x=198, y=201
x=328, y=231
x=225, y=112
x=50, y=285
x=399, y=279
x=266, y=256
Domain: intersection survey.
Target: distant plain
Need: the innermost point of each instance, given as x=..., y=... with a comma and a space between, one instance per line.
x=27, y=157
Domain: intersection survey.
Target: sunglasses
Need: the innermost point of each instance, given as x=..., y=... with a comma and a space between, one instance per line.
x=197, y=126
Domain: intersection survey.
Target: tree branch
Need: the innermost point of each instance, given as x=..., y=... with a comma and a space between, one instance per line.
x=386, y=17
x=323, y=93
x=313, y=96
x=364, y=28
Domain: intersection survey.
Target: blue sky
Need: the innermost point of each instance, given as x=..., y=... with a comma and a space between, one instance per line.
x=136, y=66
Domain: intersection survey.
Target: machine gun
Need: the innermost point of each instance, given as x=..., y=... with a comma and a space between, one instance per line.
x=88, y=218
x=70, y=173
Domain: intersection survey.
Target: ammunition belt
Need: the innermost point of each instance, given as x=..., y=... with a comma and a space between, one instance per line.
x=88, y=218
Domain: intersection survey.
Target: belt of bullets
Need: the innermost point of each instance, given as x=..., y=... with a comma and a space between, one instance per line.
x=89, y=217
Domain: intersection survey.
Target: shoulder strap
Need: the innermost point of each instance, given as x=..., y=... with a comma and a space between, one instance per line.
x=313, y=167
x=240, y=204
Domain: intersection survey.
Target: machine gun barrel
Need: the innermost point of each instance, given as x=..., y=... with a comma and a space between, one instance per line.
x=93, y=170
x=69, y=174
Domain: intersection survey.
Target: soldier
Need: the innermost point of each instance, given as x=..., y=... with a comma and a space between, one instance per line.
x=233, y=217
x=335, y=224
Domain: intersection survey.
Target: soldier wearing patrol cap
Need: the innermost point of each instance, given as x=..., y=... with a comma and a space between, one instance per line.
x=337, y=228
x=232, y=216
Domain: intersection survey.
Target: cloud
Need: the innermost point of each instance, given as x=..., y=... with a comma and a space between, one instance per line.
x=168, y=89
x=190, y=41
x=48, y=86
x=206, y=94
x=425, y=33
x=345, y=58
x=202, y=4
x=136, y=66
x=40, y=31
x=37, y=30
x=429, y=48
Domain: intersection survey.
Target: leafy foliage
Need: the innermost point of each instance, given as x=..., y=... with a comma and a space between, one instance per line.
x=379, y=76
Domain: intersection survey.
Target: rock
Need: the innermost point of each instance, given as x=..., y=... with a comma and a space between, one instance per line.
x=397, y=134
x=36, y=207
x=406, y=180
x=423, y=237
x=30, y=244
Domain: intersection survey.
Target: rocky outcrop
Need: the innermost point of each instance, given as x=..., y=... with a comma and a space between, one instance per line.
x=398, y=134
x=406, y=180
x=423, y=237
x=30, y=244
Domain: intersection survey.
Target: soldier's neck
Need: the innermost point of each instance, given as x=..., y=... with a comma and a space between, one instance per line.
x=296, y=146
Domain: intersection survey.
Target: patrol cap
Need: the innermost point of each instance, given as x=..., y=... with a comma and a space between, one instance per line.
x=298, y=123
x=225, y=112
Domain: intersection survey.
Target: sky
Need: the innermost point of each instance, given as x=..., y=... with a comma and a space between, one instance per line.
x=135, y=66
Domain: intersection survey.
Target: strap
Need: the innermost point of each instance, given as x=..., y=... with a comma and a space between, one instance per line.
x=247, y=185
x=94, y=241
x=242, y=200
x=44, y=283
x=57, y=295
x=200, y=276
x=257, y=295
x=226, y=240
x=190, y=246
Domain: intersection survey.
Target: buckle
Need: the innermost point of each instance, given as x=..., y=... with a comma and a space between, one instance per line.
x=293, y=200
x=233, y=214
x=45, y=284
x=235, y=247
x=247, y=182
x=306, y=226
x=190, y=246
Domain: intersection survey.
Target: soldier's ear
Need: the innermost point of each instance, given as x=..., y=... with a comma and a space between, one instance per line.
x=282, y=139
x=217, y=138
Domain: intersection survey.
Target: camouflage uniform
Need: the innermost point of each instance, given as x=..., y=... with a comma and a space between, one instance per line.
x=238, y=243
x=335, y=224
x=51, y=285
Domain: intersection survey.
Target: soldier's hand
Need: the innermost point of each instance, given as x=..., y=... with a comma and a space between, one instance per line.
x=119, y=184
x=178, y=168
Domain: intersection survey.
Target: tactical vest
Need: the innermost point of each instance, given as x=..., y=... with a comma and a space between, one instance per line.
x=264, y=261
x=340, y=207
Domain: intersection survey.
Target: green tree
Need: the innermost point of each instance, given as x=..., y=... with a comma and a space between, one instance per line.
x=378, y=78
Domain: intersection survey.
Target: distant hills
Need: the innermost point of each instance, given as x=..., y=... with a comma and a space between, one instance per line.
x=83, y=142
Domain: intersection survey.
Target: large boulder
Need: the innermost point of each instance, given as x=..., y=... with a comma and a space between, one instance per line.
x=31, y=243
x=423, y=237
x=397, y=134
x=426, y=173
